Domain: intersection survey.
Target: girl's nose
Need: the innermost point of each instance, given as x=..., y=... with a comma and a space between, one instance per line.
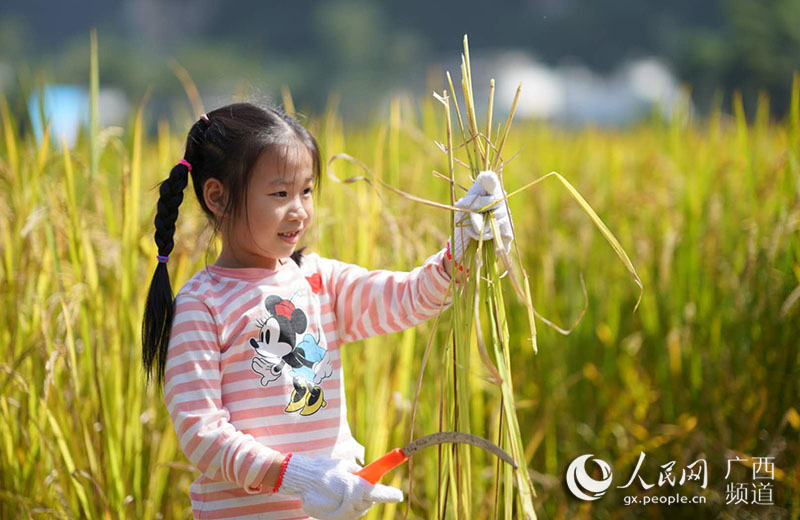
x=298, y=210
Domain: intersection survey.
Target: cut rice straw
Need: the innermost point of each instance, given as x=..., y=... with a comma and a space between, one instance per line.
x=609, y=236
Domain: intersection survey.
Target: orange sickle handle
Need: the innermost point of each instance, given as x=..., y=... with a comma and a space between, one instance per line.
x=375, y=470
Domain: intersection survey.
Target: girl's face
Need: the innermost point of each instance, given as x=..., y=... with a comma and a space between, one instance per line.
x=279, y=210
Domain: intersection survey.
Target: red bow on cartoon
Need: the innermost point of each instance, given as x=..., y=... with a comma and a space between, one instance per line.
x=315, y=281
x=285, y=309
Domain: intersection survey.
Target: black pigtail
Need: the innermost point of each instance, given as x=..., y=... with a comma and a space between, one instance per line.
x=159, y=309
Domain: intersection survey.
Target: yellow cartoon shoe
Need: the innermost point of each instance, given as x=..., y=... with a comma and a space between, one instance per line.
x=298, y=400
x=316, y=400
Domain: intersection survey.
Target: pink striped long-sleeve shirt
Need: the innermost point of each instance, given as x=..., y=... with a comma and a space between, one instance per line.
x=254, y=368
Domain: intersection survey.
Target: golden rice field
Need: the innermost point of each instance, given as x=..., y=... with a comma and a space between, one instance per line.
x=706, y=368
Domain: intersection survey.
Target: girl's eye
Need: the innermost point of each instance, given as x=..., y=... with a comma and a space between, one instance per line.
x=280, y=194
x=308, y=191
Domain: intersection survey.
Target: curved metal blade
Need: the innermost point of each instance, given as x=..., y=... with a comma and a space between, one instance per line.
x=466, y=438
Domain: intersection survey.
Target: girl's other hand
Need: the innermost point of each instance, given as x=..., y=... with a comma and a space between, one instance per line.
x=330, y=489
x=469, y=225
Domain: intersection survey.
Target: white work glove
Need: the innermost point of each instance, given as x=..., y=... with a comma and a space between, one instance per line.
x=330, y=489
x=485, y=190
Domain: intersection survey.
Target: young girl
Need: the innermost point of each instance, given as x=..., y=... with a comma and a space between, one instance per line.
x=248, y=351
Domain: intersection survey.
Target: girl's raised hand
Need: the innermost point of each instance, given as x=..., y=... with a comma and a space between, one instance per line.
x=468, y=225
x=330, y=489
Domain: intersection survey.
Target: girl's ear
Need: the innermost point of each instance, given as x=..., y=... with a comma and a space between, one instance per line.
x=214, y=196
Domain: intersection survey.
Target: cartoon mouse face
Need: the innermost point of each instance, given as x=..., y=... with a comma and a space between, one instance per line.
x=280, y=330
x=277, y=337
x=271, y=342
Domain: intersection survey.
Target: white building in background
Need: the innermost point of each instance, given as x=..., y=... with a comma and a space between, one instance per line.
x=571, y=94
x=543, y=92
x=66, y=109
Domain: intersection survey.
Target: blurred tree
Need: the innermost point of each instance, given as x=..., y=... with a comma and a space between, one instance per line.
x=758, y=47
x=15, y=38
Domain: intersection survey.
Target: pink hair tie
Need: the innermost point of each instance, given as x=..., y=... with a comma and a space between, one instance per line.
x=204, y=118
x=185, y=163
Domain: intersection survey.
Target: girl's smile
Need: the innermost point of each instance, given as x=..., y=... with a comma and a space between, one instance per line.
x=291, y=238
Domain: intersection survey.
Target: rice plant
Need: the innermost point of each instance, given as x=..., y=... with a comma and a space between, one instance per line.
x=709, y=211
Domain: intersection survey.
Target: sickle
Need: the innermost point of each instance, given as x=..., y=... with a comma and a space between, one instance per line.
x=378, y=468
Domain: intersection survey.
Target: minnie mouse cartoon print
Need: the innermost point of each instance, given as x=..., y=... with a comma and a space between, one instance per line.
x=277, y=350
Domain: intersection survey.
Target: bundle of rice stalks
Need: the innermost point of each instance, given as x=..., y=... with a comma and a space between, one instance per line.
x=481, y=299
x=479, y=324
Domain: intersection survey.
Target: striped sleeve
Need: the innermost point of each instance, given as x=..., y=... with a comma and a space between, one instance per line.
x=192, y=395
x=370, y=303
